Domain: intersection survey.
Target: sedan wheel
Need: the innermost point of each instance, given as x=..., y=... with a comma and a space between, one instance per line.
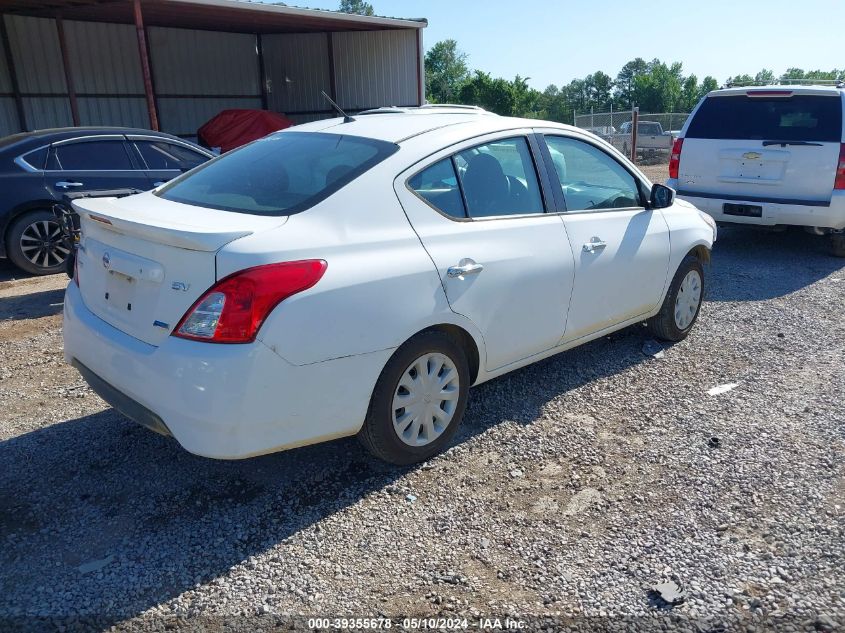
x=682, y=303
x=425, y=400
x=419, y=399
x=688, y=300
x=41, y=243
x=35, y=243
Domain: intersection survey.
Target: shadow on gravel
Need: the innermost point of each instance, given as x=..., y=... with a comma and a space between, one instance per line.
x=750, y=264
x=32, y=306
x=152, y=520
x=10, y=272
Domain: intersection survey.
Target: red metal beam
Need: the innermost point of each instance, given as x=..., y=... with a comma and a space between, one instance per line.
x=145, y=65
x=71, y=90
x=13, y=75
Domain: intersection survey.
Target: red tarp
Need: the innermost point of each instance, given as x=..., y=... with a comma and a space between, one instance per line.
x=233, y=128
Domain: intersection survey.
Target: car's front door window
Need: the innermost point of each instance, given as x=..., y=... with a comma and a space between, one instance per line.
x=590, y=178
x=92, y=156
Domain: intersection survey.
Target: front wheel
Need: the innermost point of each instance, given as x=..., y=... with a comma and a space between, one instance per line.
x=418, y=401
x=35, y=243
x=682, y=303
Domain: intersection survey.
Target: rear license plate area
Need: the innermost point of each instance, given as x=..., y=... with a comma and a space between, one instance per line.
x=744, y=210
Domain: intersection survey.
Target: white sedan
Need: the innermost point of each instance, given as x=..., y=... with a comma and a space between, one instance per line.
x=357, y=277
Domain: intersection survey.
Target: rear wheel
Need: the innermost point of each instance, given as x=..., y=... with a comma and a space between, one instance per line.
x=418, y=401
x=35, y=243
x=680, y=309
x=837, y=244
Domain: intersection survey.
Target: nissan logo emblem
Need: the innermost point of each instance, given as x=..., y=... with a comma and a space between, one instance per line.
x=106, y=260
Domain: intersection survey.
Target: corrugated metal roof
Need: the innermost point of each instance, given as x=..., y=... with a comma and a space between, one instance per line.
x=221, y=15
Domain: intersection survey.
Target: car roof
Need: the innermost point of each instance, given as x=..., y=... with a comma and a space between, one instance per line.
x=819, y=90
x=402, y=125
x=36, y=138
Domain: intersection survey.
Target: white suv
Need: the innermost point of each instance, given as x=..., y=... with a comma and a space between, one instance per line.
x=771, y=156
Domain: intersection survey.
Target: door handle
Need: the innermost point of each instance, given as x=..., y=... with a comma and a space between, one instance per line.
x=159, y=183
x=465, y=267
x=594, y=245
x=67, y=184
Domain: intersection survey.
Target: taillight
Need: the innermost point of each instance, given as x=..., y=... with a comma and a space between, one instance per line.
x=675, y=157
x=839, y=183
x=233, y=309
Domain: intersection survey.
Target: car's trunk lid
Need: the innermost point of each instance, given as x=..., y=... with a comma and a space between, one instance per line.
x=144, y=261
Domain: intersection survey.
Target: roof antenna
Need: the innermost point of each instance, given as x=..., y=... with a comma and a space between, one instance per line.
x=346, y=117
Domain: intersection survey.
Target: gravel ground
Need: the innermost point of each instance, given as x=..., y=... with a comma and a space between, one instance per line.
x=573, y=486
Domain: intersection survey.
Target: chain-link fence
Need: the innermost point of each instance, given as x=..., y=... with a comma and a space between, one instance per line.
x=655, y=134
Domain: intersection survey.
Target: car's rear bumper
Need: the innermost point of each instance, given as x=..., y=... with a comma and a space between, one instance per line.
x=774, y=211
x=220, y=401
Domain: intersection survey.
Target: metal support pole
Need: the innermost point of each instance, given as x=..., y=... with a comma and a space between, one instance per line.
x=145, y=65
x=71, y=90
x=259, y=47
x=332, y=82
x=13, y=75
x=635, y=123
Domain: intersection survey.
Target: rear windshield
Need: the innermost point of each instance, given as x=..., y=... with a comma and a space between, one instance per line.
x=798, y=118
x=280, y=174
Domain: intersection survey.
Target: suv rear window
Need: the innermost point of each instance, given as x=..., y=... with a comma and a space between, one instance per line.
x=797, y=118
x=280, y=174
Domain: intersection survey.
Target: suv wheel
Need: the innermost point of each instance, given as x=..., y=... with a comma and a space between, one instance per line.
x=418, y=401
x=35, y=245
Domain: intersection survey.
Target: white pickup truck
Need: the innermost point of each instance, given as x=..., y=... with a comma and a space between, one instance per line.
x=651, y=139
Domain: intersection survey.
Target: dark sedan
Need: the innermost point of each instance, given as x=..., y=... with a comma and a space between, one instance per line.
x=39, y=168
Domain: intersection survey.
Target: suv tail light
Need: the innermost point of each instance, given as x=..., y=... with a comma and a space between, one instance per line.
x=839, y=183
x=233, y=309
x=675, y=157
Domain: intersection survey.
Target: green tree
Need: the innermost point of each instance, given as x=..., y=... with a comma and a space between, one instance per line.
x=764, y=77
x=690, y=94
x=491, y=94
x=445, y=71
x=708, y=84
x=358, y=7
x=625, y=81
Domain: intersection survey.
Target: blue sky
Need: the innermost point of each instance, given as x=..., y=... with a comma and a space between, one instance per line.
x=556, y=41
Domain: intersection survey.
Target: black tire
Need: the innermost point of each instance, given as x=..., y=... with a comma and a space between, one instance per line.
x=663, y=325
x=378, y=434
x=837, y=244
x=35, y=221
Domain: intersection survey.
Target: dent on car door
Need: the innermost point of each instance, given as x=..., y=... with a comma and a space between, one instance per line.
x=504, y=262
x=620, y=247
x=92, y=164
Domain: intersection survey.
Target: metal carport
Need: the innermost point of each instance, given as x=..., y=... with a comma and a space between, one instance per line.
x=173, y=64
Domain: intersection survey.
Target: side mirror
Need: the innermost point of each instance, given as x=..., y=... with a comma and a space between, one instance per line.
x=661, y=197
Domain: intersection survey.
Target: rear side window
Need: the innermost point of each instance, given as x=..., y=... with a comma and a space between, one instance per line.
x=438, y=185
x=164, y=155
x=499, y=179
x=280, y=174
x=93, y=156
x=798, y=118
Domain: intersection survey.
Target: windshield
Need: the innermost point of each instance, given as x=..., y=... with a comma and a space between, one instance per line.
x=280, y=174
